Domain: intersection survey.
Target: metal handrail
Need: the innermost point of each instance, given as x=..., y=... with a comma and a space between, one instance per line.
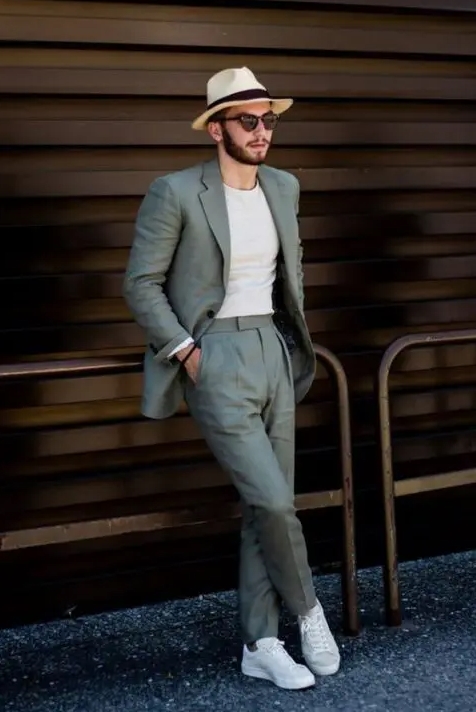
x=334, y=367
x=65, y=367
x=391, y=579
x=349, y=578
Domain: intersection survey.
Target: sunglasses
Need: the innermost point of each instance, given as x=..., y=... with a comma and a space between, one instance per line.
x=249, y=122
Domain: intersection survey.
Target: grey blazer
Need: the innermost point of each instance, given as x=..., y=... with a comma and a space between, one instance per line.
x=178, y=270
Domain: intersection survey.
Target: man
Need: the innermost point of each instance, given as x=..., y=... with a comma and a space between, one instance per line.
x=215, y=279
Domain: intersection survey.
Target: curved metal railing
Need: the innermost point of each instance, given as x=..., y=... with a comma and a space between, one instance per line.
x=392, y=489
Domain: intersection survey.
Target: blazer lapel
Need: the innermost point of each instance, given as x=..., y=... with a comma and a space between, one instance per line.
x=281, y=206
x=214, y=205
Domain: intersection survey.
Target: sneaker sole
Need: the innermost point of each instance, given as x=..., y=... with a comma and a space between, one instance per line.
x=323, y=672
x=263, y=675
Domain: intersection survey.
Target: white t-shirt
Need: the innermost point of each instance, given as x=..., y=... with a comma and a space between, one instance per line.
x=254, y=247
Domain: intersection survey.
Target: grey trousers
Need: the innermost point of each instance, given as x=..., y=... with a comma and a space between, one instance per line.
x=244, y=404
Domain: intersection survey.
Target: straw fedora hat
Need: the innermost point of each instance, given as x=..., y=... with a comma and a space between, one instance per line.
x=233, y=87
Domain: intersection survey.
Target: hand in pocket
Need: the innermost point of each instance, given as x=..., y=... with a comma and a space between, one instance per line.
x=193, y=365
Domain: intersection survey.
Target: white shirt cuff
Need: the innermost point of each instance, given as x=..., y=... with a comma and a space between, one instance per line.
x=181, y=346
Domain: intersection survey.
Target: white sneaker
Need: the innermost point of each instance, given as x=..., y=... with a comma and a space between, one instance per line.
x=270, y=661
x=319, y=648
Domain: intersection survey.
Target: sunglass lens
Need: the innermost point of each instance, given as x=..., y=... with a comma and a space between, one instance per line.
x=249, y=122
x=270, y=122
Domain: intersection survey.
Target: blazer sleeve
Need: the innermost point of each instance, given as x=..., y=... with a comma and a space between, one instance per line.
x=157, y=234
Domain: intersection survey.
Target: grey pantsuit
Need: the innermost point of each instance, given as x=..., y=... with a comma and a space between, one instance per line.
x=247, y=386
x=244, y=403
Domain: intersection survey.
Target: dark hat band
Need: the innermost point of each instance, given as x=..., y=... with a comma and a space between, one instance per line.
x=241, y=95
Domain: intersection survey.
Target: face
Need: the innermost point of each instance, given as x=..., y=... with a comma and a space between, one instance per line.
x=247, y=147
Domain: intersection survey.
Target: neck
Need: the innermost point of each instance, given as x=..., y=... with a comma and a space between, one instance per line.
x=237, y=175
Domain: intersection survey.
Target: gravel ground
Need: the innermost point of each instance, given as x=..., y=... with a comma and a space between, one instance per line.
x=184, y=656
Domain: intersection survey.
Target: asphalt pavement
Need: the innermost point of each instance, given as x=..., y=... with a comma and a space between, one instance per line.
x=183, y=656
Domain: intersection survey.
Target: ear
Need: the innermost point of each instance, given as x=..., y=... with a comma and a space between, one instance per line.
x=214, y=131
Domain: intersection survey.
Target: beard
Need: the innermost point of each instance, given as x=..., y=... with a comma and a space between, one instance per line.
x=241, y=155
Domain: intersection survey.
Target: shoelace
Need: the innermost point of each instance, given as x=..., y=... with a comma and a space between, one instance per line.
x=276, y=647
x=313, y=626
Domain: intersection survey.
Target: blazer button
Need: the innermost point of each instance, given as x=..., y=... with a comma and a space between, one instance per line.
x=210, y=313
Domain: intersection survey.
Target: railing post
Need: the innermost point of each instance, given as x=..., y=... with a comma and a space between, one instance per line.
x=349, y=577
x=392, y=592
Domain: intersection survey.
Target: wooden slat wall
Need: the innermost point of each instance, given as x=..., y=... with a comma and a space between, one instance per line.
x=96, y=100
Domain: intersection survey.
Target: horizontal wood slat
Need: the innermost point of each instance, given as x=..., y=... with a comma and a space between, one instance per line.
x=166, y=133
x=87, y=310
x=69, y=339
x=118, y=183
x=395, y=212
x=172, y=519
x=64, y=238
x=120, y=160
x=124, y=410
x=187, y=66
x=133, y=434
x=263, y=14
x=422, y=368
x=66, y=109
x=463, y=6
x=158, y=33
x=83, y=340
x=450, y=6
x=448, y=480
x=100, y=9
x=98, y=296
x=135, y=82
x=64, y=496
